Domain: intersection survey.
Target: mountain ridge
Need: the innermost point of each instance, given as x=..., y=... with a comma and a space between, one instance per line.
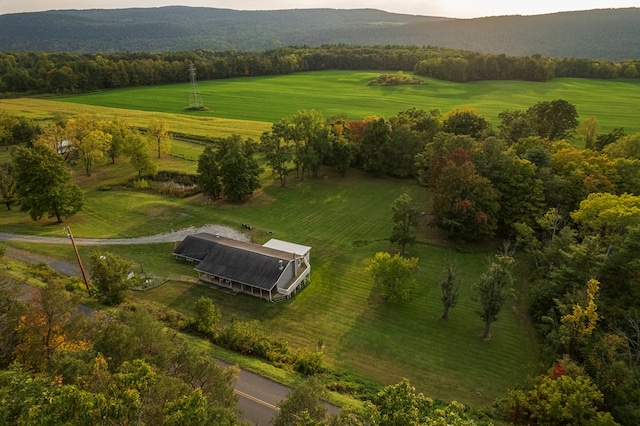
x=608, y=34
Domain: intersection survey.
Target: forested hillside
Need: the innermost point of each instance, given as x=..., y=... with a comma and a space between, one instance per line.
x=609, y=34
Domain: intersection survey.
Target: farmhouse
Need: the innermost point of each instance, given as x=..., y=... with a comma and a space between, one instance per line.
x=273, y=271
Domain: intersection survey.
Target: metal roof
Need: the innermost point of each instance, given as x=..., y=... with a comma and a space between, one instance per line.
x=239, y=261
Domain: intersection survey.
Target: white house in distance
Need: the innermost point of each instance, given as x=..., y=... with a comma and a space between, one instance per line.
x=273, y=271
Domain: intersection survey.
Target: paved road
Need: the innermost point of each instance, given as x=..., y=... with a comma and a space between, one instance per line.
x=257, y=396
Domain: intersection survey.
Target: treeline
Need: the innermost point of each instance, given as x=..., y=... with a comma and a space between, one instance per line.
x=33, y=73
x=572, y=214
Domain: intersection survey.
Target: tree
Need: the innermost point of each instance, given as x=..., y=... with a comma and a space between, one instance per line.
x=553, y=120
x=588, y=129
x=76, y=131
x=8, y=186
x=465, y=121
x=608, y=214
x=10, y=312
x=278, y=151
x=158, y=135
x=578, y=321
x=54, y=137
x=92, y=148
x=137, y=150
x=492, y=289
x=239, y=170
x=110, y=276
x=394, y=275
x=25, y=131
x=449, y=285
x=405, y=222
x=44, y=184
x=624, y=147
x=402, y=405
x=302, y=406
x=7, y=125
x=47, y=326
x=208, y=173
x=119, y=129
x=374, y=148
x=514, y=126
x=206, y=315
x=564, y=395
x=311, y=136
x=464, y=203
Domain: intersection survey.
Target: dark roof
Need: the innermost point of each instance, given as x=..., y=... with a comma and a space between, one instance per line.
x=195, y=246
x=235, y=260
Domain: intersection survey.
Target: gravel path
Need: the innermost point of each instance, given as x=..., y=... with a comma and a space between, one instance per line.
x=169, y=237
x=73, y=268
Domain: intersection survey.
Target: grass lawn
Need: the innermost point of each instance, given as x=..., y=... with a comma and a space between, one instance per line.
x=267, y=99
x=346, y=221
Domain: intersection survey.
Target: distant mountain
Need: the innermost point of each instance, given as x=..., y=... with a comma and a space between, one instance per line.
x=610, y=34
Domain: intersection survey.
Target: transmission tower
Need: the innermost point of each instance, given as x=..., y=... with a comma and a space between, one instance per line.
x=195, y=100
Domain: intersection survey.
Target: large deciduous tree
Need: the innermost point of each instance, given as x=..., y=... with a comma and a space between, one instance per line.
x=109, y=275
x=405, y=222
x=92, y=148
x=608, y=214
x=395, y=276
x=303, y=405
x=208, y=173
x=553, y=120
x=158, y=135
x=312, y=140
x=119, y=129
x=239, y=170
x=278, y=151
x=44, y=184
x=47, y=326
x=464, y=203
x=135, y=147
x=466, y=121
x=374, y=148
x=564, y=395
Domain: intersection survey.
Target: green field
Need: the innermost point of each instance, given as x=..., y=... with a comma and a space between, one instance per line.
x=615, y=103
x=345, y=220
x=345, y=224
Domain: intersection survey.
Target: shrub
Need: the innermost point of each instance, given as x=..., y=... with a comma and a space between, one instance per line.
x=310, y=362
x=140, y=184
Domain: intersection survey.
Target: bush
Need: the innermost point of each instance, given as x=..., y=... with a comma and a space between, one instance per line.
x=140, y=184
x=310, y=362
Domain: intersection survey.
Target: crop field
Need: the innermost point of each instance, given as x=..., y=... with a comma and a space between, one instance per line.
x=345, y=220
x=615, y=103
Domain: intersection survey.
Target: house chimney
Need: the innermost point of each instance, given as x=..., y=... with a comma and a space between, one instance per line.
x=295, y=266
x=281, y=267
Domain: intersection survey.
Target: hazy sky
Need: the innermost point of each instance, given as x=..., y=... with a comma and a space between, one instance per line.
x=449, y=8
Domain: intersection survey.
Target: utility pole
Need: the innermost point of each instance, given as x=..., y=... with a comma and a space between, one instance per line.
x=75, y=248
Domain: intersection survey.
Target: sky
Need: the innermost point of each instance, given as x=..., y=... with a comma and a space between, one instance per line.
x=447, y=8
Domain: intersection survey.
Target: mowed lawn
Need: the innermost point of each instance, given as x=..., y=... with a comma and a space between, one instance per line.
x=267, y=99
x=346, y=220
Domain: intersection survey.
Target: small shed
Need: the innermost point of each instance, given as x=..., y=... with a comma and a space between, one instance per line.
x=273, y=271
